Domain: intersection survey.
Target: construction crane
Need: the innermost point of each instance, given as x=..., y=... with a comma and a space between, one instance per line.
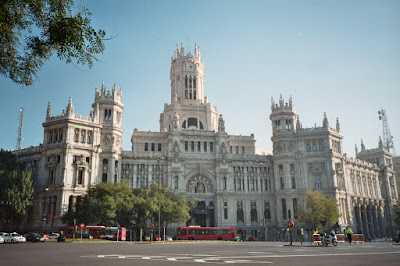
x=21, y=119
x=387, y=136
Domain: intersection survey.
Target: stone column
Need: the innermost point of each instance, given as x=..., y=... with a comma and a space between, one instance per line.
x=381, y=222
x=375, y=218
x=134, y=178
x=365, y=222
x=370, y=222
x=358, y=219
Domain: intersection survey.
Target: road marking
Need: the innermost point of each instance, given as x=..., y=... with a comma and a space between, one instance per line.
x=173, y=259
x=197, y=260
x=146, y=258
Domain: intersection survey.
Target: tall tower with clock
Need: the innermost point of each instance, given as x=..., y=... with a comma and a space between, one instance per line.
x=189, y=107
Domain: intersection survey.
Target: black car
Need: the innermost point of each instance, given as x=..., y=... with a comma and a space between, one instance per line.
x=34, y=237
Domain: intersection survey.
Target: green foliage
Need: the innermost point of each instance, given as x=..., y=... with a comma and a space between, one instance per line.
x=104, y=204
x=319, y=209
x=112, y=204
x=16, y=189
x=32, y=30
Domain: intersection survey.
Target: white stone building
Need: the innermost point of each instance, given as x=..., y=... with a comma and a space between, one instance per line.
x=192, y=154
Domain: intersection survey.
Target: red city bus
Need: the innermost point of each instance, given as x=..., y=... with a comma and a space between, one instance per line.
x=206, y=233
x=98, y=232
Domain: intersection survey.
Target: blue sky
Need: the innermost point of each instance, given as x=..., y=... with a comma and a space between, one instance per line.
x=338, y=57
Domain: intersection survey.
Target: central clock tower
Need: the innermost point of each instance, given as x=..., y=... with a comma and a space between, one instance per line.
x=189, y=108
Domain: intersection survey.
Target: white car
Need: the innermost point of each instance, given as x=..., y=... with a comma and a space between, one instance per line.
x=1, y=240
x=54, y=235
x=13, y=238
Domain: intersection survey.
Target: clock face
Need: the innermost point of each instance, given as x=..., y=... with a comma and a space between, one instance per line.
x=190, y=66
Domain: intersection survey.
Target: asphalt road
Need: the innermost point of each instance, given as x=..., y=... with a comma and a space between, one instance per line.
x=185, y=253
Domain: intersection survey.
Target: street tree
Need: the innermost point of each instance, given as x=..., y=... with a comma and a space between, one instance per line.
x=16, y=189
x=320, y=211
x=160, y=200
x=32, y=31
x=104, y=204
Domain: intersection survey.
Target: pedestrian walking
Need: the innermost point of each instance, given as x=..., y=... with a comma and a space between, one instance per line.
x=349, y=234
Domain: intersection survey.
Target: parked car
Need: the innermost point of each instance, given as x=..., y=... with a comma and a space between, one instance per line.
x=252, y=238
x=14, y=238
x=168, y=238
x=34, y=237
x=1, y=240
x=46, y=236
x=54, y=235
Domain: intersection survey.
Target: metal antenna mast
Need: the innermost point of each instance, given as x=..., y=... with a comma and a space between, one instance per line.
x=21, y=119
x=387, y=136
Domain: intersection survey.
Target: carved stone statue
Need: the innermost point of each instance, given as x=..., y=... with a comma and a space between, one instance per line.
x=221, y=124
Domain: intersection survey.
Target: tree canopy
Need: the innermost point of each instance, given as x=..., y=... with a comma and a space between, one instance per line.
x=16, y=189
x=320, y=211
x=32, y=30
x=117, y=204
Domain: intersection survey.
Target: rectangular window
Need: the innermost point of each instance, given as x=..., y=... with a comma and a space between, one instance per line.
x=186, y=146
x=80, y=177
x=152, y=147
x=225, y=213
x=211, y=147
x=159, y=146
x=104, y=178
x=192, y=145
x=277, y=124
x=281, y=169
x=176, y=182
x=282, y=183
x=237, y=149
x=317, y=181
x=293, y=182
x=230, y=149
x=310, y=166
x=284, y=212
x=292, y=169
x=322, y=165
x=288, y=124
x=243, y=150
x=295, y=208
x=146, y=147
x=198, y=146
x=308, y=147
x=205, y=146
x=314, y=147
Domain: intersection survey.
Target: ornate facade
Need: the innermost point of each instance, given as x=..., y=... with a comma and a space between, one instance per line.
x=193, y=154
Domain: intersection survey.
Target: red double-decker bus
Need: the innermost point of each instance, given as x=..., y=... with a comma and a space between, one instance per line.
x=98, y=232
x=206, y=233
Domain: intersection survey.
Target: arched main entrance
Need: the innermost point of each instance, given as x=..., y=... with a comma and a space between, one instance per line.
x=201, y=188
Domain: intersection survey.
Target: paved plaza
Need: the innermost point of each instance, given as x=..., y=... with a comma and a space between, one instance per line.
x=185, y=253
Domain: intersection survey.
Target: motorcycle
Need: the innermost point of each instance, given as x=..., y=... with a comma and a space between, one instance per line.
x=329, y=238
x=61, y=238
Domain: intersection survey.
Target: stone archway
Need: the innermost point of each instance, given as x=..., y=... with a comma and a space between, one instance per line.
x=201, y=185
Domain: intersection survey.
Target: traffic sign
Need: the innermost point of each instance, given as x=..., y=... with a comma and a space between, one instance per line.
x=151, y=226
x=290, y=224
x=82, y=225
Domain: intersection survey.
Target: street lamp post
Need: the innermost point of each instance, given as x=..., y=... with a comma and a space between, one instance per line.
x=159, y=205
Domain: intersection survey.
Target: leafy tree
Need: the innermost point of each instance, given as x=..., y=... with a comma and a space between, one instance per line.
x=32, y=30
x=319, y=209
x=16, y=189
x=104, y=204
x=172, y=208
